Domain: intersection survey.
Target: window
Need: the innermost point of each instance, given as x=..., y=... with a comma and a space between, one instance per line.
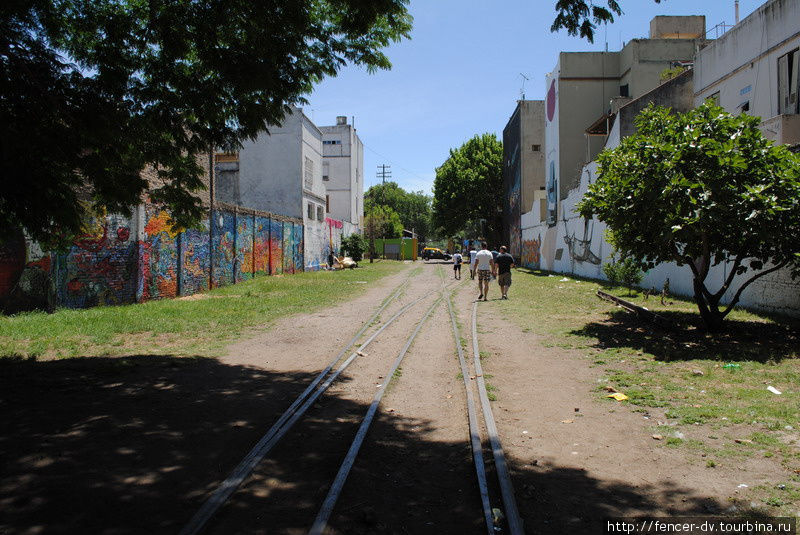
x=624, y=91
x=310, y=211
x=332, y=142
x=788, y=86
x=536, y=148
x=325, y=171
x=309, y=173
x=320, y=214
x=328, y=203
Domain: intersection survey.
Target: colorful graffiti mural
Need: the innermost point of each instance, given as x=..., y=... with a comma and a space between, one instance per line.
x=113, y=263
x=531, y=251
x=275, y=247
x=100, y=268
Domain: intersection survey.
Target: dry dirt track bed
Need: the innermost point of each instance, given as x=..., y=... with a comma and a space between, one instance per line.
x=135, y=446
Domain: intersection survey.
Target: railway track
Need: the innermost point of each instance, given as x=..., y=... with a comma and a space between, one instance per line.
x=495, y=521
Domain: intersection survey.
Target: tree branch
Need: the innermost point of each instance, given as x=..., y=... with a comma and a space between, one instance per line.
x=746, y=284
x=729, y=279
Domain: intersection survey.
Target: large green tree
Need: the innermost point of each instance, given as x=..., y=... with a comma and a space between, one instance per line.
x=413, y=207
x=468, y=188
x=698, y=189
x=93, y=91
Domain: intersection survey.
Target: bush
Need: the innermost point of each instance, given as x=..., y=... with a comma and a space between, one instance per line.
x=354, y=246
x=625, y=271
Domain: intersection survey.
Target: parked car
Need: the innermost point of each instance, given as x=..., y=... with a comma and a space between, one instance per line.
x=431, y=253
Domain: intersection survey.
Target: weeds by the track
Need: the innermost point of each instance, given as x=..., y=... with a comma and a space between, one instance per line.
x=200, y=325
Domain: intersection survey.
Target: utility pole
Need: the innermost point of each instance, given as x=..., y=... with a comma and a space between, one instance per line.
x=384, y=172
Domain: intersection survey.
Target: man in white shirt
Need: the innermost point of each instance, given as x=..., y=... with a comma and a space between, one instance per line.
x=484, y=264
x=472, y=253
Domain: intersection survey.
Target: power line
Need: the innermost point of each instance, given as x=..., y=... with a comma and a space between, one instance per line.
x=395, y=163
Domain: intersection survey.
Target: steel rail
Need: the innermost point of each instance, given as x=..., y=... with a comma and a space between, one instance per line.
x=246, y=465
x=474, y=431
x=325, y=511
x=506, y=487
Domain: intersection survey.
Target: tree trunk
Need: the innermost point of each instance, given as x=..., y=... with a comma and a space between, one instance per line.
x=709, y=309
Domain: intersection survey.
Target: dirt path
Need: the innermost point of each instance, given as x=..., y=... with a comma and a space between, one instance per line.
x=135, y=445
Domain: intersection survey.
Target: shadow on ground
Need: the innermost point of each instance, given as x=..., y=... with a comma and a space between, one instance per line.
x=136, y=444
x=739, y=341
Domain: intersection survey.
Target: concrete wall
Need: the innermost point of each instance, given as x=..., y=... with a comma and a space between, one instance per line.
x=271, y=170
x=742, y=65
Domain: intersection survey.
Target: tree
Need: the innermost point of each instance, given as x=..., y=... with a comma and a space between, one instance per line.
x=381, y=222
x=698, y=189
x=94, y=91
x=354, y=245
x=414, y=208
x=468, y=188
x=582, y=17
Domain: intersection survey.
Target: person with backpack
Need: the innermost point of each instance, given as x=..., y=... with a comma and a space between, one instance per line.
x=457, y=259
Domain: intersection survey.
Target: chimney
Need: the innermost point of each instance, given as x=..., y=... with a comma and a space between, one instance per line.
x=736, y=4
x=341, y=120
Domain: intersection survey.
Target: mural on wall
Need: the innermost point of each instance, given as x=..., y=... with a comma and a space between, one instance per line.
x=261, y=245
x=297, y=246
x=195, y=255
x=275, y=247
x=512, y=183
x=288, y=256
x=101, y=267
x=243, y=268
x=551, y=131
x=530, y=257
x=25, y=275
x=224, y=247
x=580, y=248
x=158, y=256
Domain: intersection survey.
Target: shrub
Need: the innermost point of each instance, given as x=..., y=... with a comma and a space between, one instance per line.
x=354, y=246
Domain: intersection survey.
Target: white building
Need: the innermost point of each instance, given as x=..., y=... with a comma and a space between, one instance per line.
x=281, y=172
x=754, y=68
x=343, y=171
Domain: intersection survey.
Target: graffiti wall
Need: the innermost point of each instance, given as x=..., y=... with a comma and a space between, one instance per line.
x=275, y=247
x=317, y=243
x=101, y=267
x=133, y=259
x=195, y=256
x=25, y=275
x=243, y=267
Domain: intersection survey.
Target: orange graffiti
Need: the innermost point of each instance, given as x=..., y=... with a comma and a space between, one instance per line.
x=159, y=224
x=531, y=252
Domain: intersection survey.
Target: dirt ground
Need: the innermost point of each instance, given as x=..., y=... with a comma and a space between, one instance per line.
x=136, y=444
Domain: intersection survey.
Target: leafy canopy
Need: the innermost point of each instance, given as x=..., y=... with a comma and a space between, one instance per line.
x=469, y=187
x=413, y=207
x=700, y=188
x=93, y=91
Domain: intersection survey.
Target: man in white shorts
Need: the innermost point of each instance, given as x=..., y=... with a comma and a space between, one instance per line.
x=484, y=264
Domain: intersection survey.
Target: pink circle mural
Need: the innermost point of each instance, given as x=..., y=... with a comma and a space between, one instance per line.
x=551, y=100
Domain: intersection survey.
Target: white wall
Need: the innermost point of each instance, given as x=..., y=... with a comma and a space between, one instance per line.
x=742, y=64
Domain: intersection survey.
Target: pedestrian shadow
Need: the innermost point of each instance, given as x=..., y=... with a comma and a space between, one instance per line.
x=137, y=444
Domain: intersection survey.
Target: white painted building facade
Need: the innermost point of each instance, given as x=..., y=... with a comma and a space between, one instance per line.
x=751, y=68
x=343, y=171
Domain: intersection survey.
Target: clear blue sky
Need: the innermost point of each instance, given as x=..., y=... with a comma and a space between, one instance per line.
x=459, y=75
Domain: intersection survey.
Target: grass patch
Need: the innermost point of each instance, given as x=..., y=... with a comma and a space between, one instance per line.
x=699, y=379
x=491, y=392
x=199, y=326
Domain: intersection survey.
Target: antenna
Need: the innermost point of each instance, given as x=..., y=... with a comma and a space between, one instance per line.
x=522, y=89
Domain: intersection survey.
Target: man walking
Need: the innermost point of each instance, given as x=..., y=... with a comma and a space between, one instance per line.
x=457, y=258
x=484, y=264
x=504, y=262
x=472, y=253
